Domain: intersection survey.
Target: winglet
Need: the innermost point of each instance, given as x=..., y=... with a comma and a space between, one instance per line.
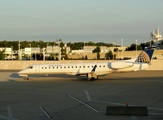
x=145, y=56
x=94, y=68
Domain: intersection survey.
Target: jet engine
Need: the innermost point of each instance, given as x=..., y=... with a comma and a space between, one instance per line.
x=120, y=65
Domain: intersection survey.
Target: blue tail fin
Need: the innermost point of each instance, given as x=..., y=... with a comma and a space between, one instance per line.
x=145, y=56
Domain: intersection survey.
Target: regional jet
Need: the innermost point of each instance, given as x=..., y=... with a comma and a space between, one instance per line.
x=92, y=70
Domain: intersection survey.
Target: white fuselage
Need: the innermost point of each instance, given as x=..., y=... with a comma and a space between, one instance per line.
x=92, y=70
x=103, y=68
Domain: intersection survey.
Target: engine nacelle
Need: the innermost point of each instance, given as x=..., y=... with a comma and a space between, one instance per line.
x=121, y=64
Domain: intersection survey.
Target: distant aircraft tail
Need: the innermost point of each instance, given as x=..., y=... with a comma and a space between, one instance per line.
x=145, y=56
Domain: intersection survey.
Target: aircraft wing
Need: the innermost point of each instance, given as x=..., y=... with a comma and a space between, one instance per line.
x=86, y=73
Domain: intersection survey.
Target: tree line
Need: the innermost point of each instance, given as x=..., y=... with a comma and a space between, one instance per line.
x=73, y=46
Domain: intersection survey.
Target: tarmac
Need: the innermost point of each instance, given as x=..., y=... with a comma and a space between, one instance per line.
x=62, y=97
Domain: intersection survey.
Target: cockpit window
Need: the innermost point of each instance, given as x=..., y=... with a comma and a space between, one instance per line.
x=30, y=67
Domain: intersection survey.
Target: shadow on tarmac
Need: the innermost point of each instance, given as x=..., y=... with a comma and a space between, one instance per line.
x=146, y=75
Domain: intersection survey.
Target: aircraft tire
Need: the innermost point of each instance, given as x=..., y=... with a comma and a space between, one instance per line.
x=92, y=78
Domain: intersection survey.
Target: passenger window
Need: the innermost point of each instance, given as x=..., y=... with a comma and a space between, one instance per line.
x=76, y=66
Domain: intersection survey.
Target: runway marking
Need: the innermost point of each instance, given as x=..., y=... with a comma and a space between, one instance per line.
x=88, y=96
x=155, y=108
x=155, y=113
x=133, y=118
x=4, y=117
x=84, y=103
x=110, y=102
x=89, y=99
x=46, y=113
x=9, y=113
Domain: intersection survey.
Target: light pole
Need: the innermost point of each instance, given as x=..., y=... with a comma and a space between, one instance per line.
x=136, y=47
x=11, y=52
x=59, y=41
x=43, y=54
x=115, y=45
x=122, y=48
x=113, y=50
x=30, y=51
x=19, y=50
x=38, y=50
x=47, y=44
x=84, y=50
x=46, y=50
x=35, y=53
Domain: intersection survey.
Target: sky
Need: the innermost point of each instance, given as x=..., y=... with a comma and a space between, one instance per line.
x=107, y=21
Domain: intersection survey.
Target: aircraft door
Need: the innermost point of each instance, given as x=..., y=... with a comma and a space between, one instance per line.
x=37, y=69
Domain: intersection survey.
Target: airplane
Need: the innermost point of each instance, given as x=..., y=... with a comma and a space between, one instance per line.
x=92, y=70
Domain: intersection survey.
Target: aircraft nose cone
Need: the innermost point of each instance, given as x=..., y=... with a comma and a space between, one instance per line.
x=20, y=72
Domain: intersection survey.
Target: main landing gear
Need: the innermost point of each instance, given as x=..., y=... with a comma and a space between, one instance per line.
x=92, y=76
